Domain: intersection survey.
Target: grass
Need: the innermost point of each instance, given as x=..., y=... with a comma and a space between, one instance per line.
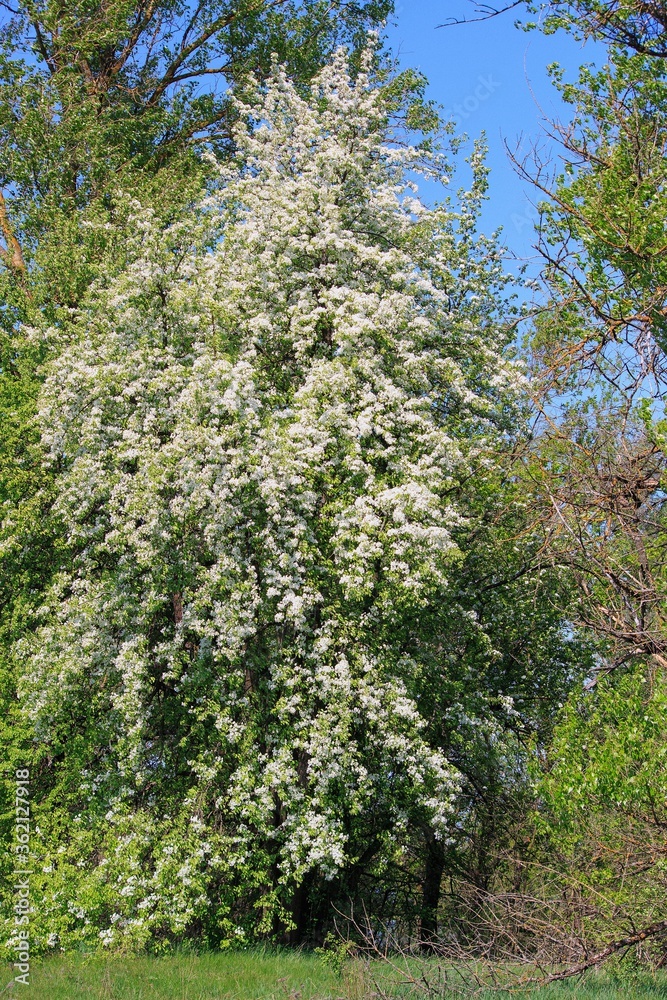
x=253, y=975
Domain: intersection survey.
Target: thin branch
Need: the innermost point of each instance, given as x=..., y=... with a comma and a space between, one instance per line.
x=485, y=12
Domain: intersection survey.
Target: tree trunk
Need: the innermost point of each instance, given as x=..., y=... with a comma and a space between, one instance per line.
x=300, y=911
x=435, y=866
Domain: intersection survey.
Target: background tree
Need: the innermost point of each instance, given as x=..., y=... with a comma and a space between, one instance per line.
x=599, y=357
x=595, y=468
x=101, y=96
x=638, y=26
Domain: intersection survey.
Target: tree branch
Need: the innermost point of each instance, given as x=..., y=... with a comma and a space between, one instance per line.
x=485, y=12
x=614, y=946
x=141, y=24
x=12, y=255
x=186, y=51
x=41, y=45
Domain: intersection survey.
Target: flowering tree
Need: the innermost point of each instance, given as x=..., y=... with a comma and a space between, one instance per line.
x=258, y=434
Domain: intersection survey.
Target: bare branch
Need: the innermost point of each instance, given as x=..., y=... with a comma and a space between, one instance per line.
x=485, y=13
x=653, y=930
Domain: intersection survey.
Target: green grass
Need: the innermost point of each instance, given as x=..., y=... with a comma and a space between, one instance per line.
x=228, y=976
x=255, y=975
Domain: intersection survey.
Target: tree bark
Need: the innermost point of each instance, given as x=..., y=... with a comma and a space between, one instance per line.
x=435, y=866
x=300, y=911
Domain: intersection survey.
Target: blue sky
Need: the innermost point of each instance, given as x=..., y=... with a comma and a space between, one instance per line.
x=492, y=77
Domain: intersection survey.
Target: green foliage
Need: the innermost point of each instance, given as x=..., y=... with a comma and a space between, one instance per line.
x=604, y=801
x=610, y=750
x=100, y=97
